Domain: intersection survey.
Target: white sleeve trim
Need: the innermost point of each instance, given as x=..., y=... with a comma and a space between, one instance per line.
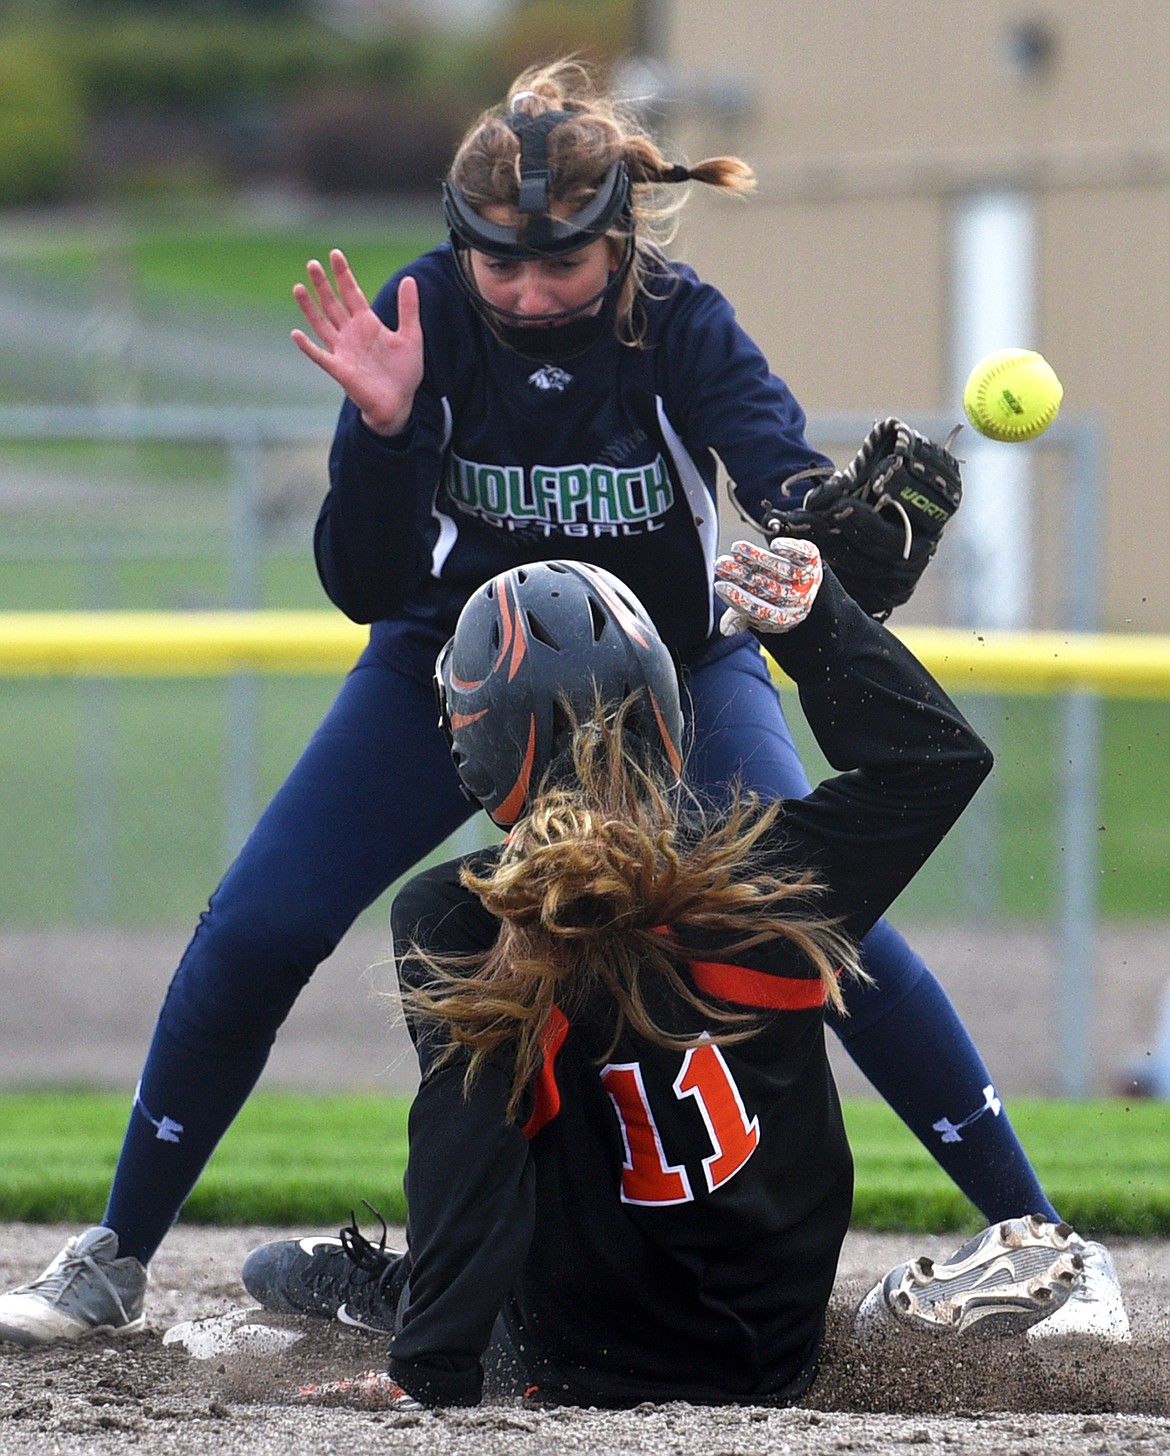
x=448, y=530
x=704, y=511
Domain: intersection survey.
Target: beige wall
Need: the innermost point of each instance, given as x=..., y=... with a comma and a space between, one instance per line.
x=871, y=120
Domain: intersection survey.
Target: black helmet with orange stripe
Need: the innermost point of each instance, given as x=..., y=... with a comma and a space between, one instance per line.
x=535, y=648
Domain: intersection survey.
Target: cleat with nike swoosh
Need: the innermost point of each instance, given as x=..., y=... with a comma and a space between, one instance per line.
x=1004, y=1281
x=347, y=1278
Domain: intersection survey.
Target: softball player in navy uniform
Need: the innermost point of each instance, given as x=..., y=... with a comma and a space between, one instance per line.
x=546, y=385
x=626, y=1138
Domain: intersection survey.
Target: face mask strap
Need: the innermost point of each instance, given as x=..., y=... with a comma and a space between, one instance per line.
x=469, y=230
x=539, y=234
x=535, y=178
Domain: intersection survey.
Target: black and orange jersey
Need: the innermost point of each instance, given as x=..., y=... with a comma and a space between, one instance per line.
x=657, y=1223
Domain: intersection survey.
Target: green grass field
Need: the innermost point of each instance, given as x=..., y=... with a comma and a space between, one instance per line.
x=213, y=258
x=309, y=1160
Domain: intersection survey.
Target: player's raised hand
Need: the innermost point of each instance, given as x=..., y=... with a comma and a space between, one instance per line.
x=378, y=367
x=769, y=589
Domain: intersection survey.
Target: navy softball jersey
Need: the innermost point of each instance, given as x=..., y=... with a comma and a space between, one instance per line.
x=660, y=1224
x=606, y=456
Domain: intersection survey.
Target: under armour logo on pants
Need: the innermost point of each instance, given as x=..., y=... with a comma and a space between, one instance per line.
x=950, y=1130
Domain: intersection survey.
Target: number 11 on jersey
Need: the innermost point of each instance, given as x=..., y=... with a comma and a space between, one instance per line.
x=647, y=1177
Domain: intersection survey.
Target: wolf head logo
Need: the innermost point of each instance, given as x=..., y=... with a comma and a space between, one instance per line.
x=549, y=377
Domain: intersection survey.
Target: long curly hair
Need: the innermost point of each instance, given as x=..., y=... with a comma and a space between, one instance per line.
x=486, y=168
x=595, y=891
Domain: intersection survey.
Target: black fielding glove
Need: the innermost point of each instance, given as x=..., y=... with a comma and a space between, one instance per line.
x=878, y=522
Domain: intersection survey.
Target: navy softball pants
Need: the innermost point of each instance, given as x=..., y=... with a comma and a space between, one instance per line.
x=373, y=793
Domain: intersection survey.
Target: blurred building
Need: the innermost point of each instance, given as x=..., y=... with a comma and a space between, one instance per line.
x=879, y=131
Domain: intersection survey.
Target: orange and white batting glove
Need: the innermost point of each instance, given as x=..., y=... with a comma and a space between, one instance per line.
x=769, y=588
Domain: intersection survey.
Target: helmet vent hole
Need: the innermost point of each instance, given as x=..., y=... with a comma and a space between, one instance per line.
x=540, y=632
x=598, y=615
x=562, y=723
x=495, y=636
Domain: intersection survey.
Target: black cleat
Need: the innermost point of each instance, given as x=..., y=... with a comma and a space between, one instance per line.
x=347, y=1278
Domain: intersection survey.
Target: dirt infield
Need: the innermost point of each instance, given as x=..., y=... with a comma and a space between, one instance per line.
x=1003, y=1396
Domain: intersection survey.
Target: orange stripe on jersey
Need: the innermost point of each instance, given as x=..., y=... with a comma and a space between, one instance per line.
x=548, y=1094
x=756, y=988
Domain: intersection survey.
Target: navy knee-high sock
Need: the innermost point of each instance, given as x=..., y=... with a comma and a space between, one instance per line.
x=185, y=1103
x=919, y=1056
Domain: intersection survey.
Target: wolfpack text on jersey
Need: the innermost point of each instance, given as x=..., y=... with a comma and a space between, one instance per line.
x=574, y=499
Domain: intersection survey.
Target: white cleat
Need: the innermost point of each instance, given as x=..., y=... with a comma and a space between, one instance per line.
x=1095, y=1310
x=1004, y=1281
x=86, y=1290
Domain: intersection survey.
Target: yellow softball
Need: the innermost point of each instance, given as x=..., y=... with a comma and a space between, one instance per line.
x=1013, y=394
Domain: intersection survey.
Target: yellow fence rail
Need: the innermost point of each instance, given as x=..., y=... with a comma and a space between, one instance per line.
x=175, y=644
x=193, y=644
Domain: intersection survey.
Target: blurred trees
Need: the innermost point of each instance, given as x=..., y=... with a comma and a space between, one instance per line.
x=101, y=99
